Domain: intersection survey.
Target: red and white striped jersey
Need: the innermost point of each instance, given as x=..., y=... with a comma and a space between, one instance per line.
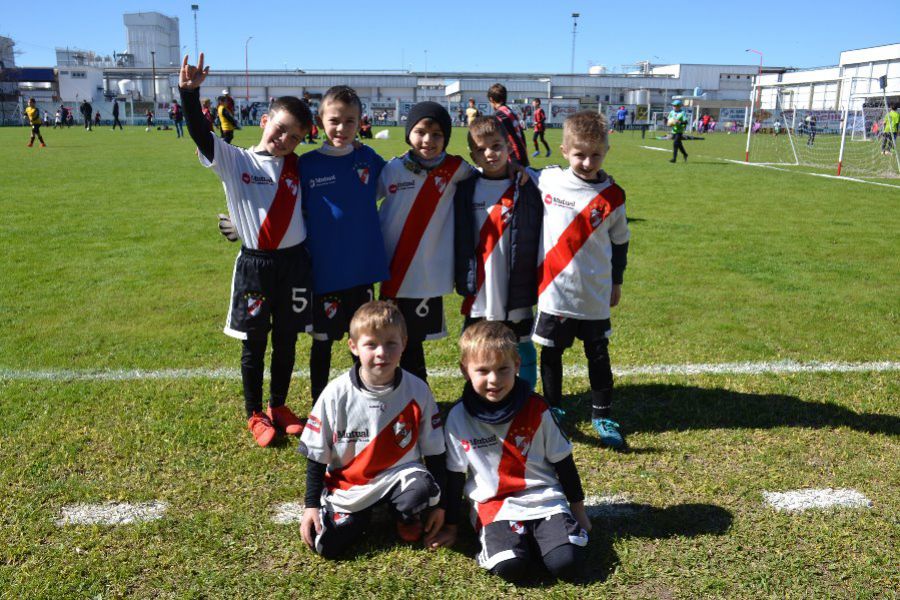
x=263, y=195
x=417, y=223
x=492, y=205
x=370, y=441
x=509, y=465
x=581, y=222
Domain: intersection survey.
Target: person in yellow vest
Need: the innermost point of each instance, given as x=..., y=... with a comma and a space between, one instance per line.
x=889, y=132
x=227, y=122
x=34, y=119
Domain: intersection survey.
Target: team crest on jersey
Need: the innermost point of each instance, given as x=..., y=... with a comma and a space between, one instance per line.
x=517, y=527
x=440, y=183
x=254, y=303
x=291, y=184
x=363, y=173
x=402, y=432
x=466, y=446
x=523, y=444
x=331, y=307
x=506, y=212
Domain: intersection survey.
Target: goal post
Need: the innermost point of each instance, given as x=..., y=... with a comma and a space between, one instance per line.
x=836, y=126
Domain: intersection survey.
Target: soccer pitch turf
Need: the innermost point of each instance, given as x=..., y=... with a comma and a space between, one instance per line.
x=757, y=344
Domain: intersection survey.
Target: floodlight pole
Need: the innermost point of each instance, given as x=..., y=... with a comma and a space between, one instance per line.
x=247, y=68
x=195, y=8
x=153, y=64
x=574, y=30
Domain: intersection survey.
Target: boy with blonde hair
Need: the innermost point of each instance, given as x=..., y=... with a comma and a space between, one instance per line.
x=506, y=450
x=374, y=436
x=584, y=253
x=271, y=280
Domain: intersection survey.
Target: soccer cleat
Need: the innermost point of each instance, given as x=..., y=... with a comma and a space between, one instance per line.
x=672, y=160
x=548, y=153
x=285, y=420
x=261, y=428
x=410, y=532
x=685, y=158
x=558, y=413
x=43, y=145
x=609, y=433
x=536, y=153
x=30, y=144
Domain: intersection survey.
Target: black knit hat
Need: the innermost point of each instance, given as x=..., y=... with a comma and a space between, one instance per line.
x=429, y=110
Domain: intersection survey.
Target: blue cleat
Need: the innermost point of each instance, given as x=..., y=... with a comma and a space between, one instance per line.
x=609, y=433
x=548, y=153
x=536, y=153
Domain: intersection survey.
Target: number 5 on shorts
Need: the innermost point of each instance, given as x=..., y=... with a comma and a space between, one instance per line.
x=298, y=297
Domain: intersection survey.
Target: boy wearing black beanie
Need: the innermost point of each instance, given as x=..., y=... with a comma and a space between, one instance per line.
x=417, y=223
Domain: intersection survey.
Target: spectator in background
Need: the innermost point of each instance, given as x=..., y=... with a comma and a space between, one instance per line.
x=207, y=113
x=365, y=128
x=87, y=111
x=97, y=118
x=115, y=111
x=177, y=116
x=621, y=115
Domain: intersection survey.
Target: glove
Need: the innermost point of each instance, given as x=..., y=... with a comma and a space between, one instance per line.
x=226, y=228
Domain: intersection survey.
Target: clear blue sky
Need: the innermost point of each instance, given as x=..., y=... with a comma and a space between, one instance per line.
x=521, y=36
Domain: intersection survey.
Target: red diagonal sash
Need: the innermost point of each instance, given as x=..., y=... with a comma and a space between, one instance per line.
x=417, y=220
x=278, y=217
x=511, y=471
x=491, y=232
x=388, y=447
x=577, y=233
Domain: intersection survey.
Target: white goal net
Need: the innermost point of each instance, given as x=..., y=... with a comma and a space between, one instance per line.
x=841, y=127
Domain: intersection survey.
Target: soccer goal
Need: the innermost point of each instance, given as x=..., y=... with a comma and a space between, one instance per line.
x=834, y=126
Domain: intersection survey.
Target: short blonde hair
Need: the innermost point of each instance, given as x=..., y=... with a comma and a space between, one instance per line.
x=488, y=337
x=376, y=316
x=586, y=126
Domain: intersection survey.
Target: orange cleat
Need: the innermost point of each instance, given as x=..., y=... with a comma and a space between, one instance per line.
x=410, y=532
x=43, y=145
x=30, y=144
x=262, y=429
x=285, y=420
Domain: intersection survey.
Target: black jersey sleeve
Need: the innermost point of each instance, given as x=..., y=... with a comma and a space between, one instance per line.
x=197, y=125
x=569, y=479
x=619, y=262
x=315, y=483
x=437, y=466
x=451, y=497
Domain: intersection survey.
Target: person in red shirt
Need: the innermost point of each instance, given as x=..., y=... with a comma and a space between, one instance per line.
x=539, y=118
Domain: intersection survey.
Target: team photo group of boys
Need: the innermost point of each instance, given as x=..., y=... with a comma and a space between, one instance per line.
x=319, y=231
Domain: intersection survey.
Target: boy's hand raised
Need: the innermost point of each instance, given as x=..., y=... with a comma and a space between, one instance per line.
x=190, y=76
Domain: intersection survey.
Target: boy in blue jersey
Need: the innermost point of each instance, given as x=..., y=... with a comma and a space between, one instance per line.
x=338, y=183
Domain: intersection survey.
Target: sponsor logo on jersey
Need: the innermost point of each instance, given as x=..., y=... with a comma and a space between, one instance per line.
x=314, y=424
x=350, y=436
x=256, y=179
x=556, y=201
x=402, y=432
x=363, y=173
x=322, y=181
x=484, y=442
x=403, y=185
x=379, y=406
x=254, y=303
x=331, y=307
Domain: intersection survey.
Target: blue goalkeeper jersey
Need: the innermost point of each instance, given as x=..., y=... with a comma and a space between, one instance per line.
x=344, y=233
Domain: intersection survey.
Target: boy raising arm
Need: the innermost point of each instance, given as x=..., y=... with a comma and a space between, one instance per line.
x=271, y=281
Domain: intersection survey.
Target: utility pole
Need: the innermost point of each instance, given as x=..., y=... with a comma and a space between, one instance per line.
x=574, y=30
x=195, y=8
x=153, y=63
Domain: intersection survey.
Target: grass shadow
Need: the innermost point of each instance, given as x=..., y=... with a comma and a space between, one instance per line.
x=657, y=408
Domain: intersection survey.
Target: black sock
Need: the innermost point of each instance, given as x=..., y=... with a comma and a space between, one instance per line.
x=253, y=355
x=319, y=366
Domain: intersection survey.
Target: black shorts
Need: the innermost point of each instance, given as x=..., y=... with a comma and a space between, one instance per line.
x=270, y=289
x=504, y=540
x=227, y=136
x=560, y=332
x=522, y=328
x=424, y=317
x=36, y=130
x=332, y=311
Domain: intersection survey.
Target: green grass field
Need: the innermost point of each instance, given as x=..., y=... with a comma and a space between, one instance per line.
x=112, y=262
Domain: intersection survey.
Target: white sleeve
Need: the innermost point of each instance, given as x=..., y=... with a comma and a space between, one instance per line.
x=618, y=227
x=556, y=445
x=316, y=439
x=223, y=157
x=431, y=428
x=456, y=455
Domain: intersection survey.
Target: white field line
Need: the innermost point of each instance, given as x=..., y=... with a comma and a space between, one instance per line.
x=287, y=513
x=655, y=148
x=826, y=176
x=728, y=368
x=615, y=506
x=110, y=513
x=800, y=500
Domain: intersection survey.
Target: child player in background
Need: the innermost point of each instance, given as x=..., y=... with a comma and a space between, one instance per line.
x=34, y=119
x=515, y=139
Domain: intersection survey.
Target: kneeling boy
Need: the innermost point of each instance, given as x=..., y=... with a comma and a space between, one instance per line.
x=366, y=439
x=525, y=490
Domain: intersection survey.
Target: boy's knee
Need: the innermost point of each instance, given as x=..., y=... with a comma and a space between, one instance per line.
x=512, y=570
x=413, y=495
x=564, y=562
